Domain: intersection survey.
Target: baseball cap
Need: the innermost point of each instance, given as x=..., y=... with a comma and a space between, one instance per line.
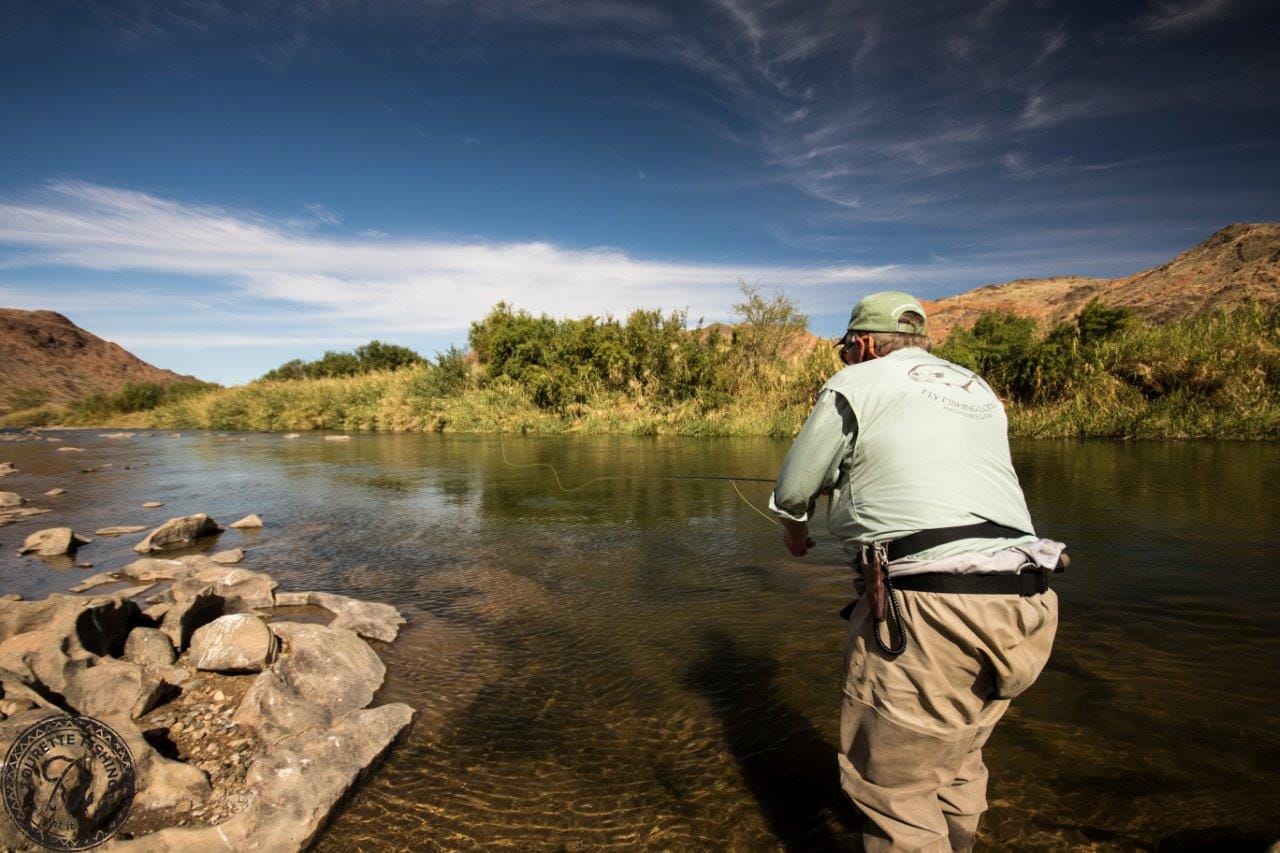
x=882, y=312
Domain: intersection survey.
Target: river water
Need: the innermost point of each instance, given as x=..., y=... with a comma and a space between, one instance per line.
x=638, y=663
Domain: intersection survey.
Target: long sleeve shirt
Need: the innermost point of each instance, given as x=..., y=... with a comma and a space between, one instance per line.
x=813, y=464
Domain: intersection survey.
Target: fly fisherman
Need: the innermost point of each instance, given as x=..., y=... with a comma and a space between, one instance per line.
x=955, y=617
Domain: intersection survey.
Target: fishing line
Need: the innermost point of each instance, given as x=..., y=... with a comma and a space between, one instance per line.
x=733, y=481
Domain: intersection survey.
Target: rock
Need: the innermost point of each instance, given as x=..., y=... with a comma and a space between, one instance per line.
x=331, y=667
x=15, y=514
x=7, y=468
x=228, y=557
x=119, y=529
x=111, y=685
x=96, y=580
x=293, y=789
x=84, y=565
x=133, y=591
x=8, y=499
x=240, y=642
x=249, y=522
x=273, y=709
x=49, y=641
x=53, y=493
x=241, y=588
x=337, y=438
x=115, y=435
x=70, y=449
x=149, y=647
x=293, y=435
x=178, y=531
x=53, y=542
x=367, y=618
x=183, y=618
x=151, y=504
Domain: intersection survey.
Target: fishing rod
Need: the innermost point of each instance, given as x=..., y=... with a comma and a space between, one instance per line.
x=733, y=481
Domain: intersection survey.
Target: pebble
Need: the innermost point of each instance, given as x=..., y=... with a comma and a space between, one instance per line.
x=218, y=696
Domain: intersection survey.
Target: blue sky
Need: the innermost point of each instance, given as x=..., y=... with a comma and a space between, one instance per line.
x=221, y=186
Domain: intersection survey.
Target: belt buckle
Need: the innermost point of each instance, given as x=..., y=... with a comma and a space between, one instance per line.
x=1032, y=582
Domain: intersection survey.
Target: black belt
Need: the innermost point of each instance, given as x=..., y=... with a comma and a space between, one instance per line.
x=1026, y=583
x=926, y=539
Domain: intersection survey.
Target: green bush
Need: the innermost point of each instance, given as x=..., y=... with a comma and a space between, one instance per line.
x=373, y=357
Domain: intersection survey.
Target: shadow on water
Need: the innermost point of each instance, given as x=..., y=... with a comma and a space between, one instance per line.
x=786, y=763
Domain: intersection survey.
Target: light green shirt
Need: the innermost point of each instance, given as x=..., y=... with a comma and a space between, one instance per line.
x=904, y=443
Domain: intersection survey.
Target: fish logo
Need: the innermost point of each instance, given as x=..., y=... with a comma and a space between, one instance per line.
x=945, y=374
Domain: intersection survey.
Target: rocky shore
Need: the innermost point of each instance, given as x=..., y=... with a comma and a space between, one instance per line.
x=246, y=708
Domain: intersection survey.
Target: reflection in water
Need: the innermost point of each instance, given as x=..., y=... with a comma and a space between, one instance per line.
x=639, y=664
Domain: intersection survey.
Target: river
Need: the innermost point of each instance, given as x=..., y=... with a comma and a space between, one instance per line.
x=638, y=663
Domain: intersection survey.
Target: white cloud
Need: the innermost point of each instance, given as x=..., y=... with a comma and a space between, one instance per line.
x=276, y=269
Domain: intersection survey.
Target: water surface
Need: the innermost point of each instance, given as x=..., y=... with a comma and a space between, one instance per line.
x=638, y=663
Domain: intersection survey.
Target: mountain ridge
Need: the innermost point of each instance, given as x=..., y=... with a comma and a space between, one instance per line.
x=47, y=358
x=1236, y=265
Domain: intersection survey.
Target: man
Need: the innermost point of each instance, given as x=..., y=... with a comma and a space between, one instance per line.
x=956, y=618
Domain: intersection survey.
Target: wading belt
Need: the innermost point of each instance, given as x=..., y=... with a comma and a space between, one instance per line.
x=873, y=562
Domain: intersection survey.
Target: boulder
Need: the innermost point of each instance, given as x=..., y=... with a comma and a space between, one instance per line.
x=149, y=647
x=249, y=522
x=110, y=686
x=53, y=542
x=178, y=531
x=119, y=529
x=367, y=618
x=240, y=642
x=184, y=617
x=224, y=558
x=329, y=666
x=8, y=499
x=54, y=492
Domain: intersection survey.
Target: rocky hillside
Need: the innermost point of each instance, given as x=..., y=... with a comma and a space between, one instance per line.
x=1237, y=265
x=49, y=359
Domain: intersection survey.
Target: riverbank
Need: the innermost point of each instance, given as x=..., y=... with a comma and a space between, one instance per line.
x=1104, y=375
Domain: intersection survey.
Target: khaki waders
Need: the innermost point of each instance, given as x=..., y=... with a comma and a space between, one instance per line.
x=912, y=727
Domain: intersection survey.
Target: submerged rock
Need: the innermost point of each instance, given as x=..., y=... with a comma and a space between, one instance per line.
x=120, y=529
x=54, y=492
x=337, y=438
x=7, y=468
x=292, y=435
x=8, y=499
x=249, y=522
x=240, y=642
x=53, y=541
x=178, y=531
x=233, y=555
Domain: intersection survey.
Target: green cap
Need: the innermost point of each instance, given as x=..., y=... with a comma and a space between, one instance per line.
x=881, y=312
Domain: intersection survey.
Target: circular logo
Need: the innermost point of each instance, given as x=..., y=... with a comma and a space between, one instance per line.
x=68, y=782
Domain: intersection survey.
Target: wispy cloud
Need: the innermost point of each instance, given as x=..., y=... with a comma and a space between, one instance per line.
x=1169, y=17
x=370, y=281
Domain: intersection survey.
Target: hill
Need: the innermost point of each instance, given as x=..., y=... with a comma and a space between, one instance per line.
x=49, y=359
x=1236, y=266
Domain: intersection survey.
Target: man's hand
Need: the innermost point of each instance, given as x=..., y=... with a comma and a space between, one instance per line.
x=795, y=535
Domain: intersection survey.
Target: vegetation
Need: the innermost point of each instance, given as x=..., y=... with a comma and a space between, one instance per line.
x=1109, y=374
x=131, y=398
x=1103, y=374
x=373, y=357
